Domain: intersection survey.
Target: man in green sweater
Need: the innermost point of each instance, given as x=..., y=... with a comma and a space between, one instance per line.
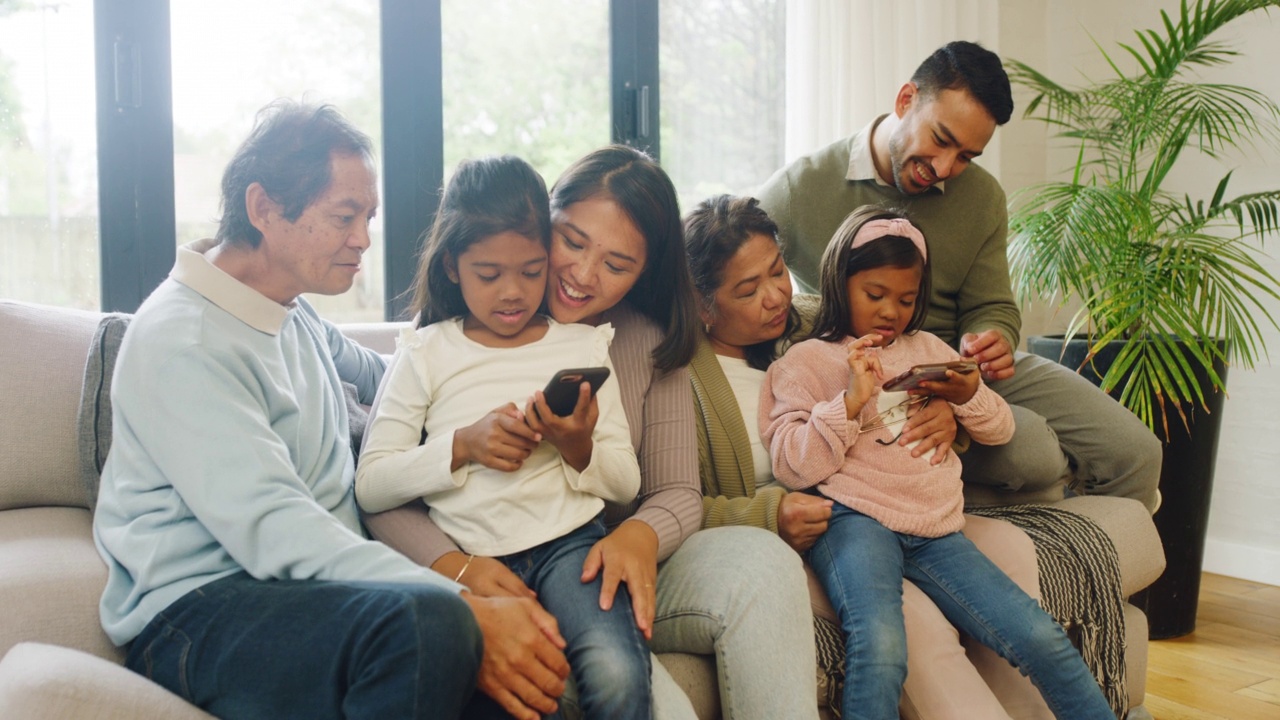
x=919, y=159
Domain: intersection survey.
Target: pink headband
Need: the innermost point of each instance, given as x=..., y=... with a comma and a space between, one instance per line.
x=897, y=227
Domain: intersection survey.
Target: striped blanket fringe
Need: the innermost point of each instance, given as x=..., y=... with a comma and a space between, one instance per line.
x=830, y=643
x=1079, y=587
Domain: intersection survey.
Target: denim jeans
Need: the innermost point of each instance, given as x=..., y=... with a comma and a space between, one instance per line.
x=245, y=648
x=861, y=565
x=607, y=653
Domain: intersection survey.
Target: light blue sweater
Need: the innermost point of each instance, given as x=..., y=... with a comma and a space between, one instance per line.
x=231, y=450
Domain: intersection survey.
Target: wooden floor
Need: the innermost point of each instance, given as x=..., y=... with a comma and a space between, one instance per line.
x=1229, y=667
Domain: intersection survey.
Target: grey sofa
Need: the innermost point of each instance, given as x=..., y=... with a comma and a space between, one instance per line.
x=58, y=663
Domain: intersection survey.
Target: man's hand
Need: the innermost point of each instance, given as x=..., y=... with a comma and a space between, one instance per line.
x=934, y=425
x=483, y=576
x=523, y=668
x=500, y=440
x=628, y=554
x=992, y=351
x=802, y=518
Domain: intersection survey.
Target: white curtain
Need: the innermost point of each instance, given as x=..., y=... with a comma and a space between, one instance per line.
x=846, y=59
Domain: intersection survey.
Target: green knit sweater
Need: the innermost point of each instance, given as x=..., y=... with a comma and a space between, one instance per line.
x=729, y=493
x=965, y=227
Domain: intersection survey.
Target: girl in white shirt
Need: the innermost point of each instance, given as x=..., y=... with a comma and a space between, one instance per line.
x=515, y=482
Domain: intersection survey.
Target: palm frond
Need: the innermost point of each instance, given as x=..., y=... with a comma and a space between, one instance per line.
x=1177, y=281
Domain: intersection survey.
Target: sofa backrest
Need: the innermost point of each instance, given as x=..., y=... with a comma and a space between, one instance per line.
x=42, y=360
x=43, y=354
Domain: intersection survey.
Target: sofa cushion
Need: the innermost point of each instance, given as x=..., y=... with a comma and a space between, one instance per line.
x=51, y=579
x=42, y=362
x=93, y=425
x=46, y=682
x=696, y=676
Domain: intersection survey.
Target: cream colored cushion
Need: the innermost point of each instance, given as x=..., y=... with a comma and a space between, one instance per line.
x=51, y=579
x=696, y=675
x=46, y=682
x=42, y=359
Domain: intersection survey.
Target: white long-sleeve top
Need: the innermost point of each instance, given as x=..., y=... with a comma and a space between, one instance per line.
x=439, y=381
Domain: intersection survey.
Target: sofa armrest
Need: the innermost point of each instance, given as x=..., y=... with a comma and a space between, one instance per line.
x=1131, y=530
x=47, y=682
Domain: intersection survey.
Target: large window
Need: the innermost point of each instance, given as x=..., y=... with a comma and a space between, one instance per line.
x=118, y=116
x=226, y=69
x=525, y=78
x=48, y=165
x=722, y=64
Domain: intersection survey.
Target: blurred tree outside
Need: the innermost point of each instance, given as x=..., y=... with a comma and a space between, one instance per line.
x=723, y=94
x=525, y=78
x=48, y=177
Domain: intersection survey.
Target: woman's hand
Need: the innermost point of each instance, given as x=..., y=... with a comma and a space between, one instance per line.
x=628, y=554
x=500, y=440
x=934, y=425
x=802, y=518
x=484, y=576
x=864, y=374
x=570, y=434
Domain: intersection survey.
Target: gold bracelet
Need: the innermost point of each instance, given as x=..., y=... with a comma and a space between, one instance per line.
x=464, y=567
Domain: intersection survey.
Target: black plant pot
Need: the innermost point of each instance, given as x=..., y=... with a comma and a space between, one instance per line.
x=1186, y=483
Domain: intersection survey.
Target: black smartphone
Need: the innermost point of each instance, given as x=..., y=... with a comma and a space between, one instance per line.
x=931, y=371
x=562, y=391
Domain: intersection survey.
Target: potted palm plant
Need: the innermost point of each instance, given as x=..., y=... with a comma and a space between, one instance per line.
x=1169, y=288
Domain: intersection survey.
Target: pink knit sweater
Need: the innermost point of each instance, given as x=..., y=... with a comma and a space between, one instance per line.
x=802, y=420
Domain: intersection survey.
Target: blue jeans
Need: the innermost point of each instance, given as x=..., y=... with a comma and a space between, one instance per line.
x=861, y=564
x=607, y=653
x=245, y=648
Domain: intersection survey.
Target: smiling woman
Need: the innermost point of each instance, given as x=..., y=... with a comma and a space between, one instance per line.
x=736, y=594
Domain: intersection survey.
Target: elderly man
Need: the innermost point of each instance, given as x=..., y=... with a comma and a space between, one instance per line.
x=238, y=571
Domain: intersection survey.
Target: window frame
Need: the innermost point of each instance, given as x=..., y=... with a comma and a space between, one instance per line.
x=137, y=224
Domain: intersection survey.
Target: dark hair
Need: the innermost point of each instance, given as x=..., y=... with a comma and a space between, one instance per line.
x=642, y=190
x=484, y=197
x=289, y=153
x=962, y=65
x=840, y=261
x=713, y=233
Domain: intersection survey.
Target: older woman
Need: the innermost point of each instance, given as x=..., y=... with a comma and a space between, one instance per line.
x=735, y=593
x=748, y=316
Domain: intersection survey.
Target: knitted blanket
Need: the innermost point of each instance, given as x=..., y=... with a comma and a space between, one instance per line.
x=1079, y=588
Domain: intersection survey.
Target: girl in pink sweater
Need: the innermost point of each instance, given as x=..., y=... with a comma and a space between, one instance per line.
x=830, y=426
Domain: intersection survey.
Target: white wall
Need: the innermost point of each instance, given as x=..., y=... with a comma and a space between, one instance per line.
x=1057, y=38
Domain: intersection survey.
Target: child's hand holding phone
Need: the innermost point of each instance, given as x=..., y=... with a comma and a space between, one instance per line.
x=569, y=432
x=954, y=381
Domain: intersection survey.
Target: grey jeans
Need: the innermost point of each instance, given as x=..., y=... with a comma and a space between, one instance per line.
x=740, y=594
x=1067, y=429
